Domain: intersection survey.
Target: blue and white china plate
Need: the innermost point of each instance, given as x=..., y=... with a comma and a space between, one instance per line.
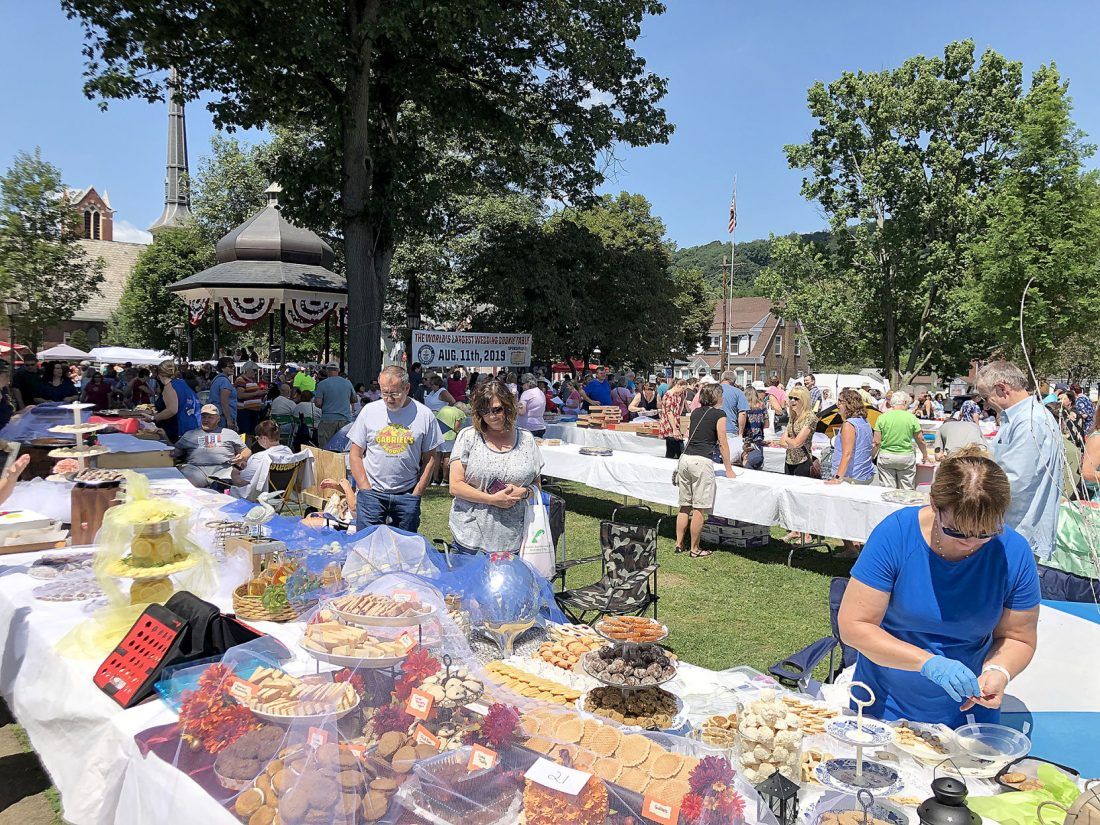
x=847, y=731
x=840, y=775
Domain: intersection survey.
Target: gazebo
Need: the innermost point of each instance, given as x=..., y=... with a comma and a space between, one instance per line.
x=268, y=264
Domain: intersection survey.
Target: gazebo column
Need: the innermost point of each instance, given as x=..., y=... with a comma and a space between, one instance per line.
x=282, y=333
x=341, y=319
x=190, y=339
x=328, y=341
x=270, y=333
x=216, y=313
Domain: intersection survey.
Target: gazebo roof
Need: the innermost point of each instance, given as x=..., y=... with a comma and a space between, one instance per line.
x=267, y=257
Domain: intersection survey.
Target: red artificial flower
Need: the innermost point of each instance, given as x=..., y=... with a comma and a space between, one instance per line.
x=209, y=718
x=691, y=807
x=730, y=806
x=350, y=676
x=710, y=771
x=390, y=718
x=418, y=666
x=499, y=725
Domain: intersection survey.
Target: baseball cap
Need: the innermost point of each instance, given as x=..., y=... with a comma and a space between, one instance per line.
x=331, y=366
x=542, y=379
x=758, y=385
x=210, y=409
x=249, y=365
x=291, y=367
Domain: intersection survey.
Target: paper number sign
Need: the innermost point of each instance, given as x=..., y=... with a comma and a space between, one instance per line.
x=244, y=692
x=420, y=704
x=481, y=759
x=557, y=777
x=660, y=811
x=423, y=736
x=317, y=737
x=406, y=642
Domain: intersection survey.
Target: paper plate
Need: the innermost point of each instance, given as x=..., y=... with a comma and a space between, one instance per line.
x=385, y=621
x=353, y=661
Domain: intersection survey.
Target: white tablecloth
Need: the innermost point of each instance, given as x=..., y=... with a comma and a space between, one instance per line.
x=627, y=442
x=846, y=511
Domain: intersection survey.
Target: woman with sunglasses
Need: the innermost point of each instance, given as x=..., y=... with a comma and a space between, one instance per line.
x=944, y=600
x=495, y=468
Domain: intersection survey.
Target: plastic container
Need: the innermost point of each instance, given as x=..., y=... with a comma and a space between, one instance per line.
x=989, y=747
x=452, y=794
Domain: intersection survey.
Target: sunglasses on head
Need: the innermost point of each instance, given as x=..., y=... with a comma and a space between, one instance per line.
x=959, y=534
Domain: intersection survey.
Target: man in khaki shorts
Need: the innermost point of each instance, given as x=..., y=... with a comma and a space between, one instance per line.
x=695, y=471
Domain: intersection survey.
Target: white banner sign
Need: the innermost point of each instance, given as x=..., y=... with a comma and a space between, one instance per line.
x=471, y=349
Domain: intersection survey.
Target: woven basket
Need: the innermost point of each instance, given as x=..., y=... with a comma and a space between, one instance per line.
x=252, y=608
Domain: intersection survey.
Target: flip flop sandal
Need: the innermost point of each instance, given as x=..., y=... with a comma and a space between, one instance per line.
x=702, y=554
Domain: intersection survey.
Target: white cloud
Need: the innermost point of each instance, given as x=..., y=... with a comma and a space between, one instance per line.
x=128, y=233
x=596, y=97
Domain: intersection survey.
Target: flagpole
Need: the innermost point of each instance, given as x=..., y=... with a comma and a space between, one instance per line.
x=729, y=297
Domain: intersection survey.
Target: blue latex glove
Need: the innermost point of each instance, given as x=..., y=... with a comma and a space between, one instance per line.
x=954, y=677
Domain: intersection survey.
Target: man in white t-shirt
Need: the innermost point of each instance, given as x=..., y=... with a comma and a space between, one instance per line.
x=394, y=452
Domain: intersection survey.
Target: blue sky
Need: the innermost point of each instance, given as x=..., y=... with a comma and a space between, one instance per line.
x=738, y=74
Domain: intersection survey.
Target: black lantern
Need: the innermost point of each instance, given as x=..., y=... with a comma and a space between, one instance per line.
x=947, y=805
x=781, y=795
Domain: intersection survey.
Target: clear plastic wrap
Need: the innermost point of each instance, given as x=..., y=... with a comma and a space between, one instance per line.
x=147, y=543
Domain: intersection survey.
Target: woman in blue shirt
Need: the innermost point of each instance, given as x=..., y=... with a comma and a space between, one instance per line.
x=852, y=448
x=177, y=405
x=944, y=600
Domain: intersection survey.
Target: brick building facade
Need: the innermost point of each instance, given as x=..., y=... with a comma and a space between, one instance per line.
x=762, y=344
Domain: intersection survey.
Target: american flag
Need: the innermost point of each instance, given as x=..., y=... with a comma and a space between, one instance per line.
x=733, y=209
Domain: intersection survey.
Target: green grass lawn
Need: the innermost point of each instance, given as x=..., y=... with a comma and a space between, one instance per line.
x=731, y=608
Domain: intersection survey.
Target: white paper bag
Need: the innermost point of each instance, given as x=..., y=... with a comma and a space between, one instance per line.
x=538, y=546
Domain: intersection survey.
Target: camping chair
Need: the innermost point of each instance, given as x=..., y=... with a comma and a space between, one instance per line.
x=286, y=428
x=628, y=584
x=283, y=479
x=796, y=671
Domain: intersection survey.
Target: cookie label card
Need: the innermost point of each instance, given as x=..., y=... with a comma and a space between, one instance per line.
x=244, y=692
x=659, y=811
x=317, y=737
x=481, y=759
x=406, y=642
x=558, y=777
x=423, y=736
x=358, y=750
x=401, y=596
x=419, y=705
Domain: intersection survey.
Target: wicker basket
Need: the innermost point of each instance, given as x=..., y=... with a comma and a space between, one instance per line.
x=252, y=608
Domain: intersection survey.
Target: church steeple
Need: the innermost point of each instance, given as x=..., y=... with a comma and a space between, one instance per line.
x=177, y=188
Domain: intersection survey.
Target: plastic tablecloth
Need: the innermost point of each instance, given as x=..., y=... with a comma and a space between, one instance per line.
x=846, y=511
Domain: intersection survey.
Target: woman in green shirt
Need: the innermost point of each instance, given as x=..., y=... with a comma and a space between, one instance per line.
x=896, y=431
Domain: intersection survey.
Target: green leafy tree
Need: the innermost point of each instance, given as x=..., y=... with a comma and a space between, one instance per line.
x=1043, y=228
x=901, y=161
x=147, y=312
x=41, y=261
x=395, y=104
x=79, y=339
x=229, y=187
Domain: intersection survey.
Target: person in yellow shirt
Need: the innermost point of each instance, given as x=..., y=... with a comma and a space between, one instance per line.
x=302, y=380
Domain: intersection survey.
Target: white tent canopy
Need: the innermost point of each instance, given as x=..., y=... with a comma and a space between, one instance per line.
x=120, y=355
x=62, y=352
x=835, y=382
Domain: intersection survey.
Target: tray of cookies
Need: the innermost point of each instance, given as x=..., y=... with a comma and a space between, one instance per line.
x=275, y=696
x=566, y=652
x=650, y=708
x=341, y=644
x=627, y=665
x=376, y=610
x=636, y=629
x=530, y=686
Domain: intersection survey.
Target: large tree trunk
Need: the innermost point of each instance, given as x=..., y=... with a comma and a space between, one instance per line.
x=367, y=271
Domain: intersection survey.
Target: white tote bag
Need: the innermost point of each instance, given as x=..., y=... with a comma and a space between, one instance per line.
x=538, y=546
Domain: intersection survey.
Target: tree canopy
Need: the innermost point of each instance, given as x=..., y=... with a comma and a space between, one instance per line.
x=946, y=188
x=41, y=261
x=396, y=103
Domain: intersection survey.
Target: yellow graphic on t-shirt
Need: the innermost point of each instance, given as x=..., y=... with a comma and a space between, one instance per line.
x=394, y=439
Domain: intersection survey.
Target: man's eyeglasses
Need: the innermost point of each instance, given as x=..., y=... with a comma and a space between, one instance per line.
x=397, y=394
x=958, y=534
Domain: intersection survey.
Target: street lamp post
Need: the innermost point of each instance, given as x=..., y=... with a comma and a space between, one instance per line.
x=12, y=308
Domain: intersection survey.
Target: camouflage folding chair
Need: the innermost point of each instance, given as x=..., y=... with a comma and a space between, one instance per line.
x=628, y=585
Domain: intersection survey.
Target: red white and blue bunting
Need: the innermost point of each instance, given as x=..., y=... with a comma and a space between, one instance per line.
x=241, y=313
x=305, y=313
x=196, y=309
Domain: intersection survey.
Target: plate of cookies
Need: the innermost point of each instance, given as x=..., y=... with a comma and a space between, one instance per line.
x=925, y=742
x=275, y=696
x=340, y=644
x=530, y=686
x=627, y=665
x=649, y=708
x=566, y=653
x=636, y=629
x=376, y=610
